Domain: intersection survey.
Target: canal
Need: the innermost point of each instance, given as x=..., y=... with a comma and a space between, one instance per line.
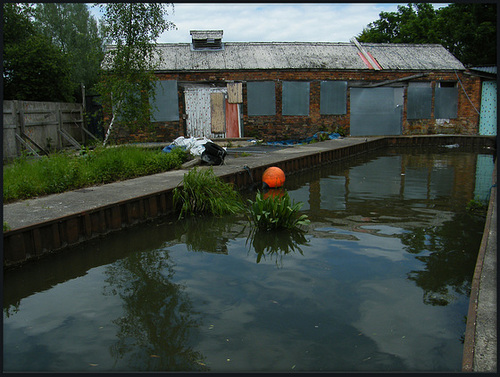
x=379, y=281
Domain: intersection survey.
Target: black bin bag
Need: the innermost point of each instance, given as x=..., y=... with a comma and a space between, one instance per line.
x=213, y=154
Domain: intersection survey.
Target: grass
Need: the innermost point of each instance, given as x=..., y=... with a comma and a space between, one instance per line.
x=61, y=172
x=202, y=193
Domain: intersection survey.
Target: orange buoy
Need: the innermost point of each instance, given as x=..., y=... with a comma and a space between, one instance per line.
x=273, y=177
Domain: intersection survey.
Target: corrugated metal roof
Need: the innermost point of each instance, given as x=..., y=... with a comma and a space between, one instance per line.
x=305, y=55
x=489, y=70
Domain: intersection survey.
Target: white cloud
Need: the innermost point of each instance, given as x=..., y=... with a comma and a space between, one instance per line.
x=279, y=22
x=274, y=22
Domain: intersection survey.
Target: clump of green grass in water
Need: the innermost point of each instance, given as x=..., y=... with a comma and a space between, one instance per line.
x=477, y=207
x=61, y=172
x=276, y=212
x=203, y=193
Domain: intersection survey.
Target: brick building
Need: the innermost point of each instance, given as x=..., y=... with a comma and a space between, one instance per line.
x=291, y=90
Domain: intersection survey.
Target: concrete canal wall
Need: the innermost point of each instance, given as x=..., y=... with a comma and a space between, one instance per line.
x=49, y=224
x=480, y=339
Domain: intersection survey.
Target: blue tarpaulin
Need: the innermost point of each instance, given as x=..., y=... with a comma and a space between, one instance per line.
x=307, y=140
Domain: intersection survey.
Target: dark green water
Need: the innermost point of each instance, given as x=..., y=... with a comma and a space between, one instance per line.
x=379, y=282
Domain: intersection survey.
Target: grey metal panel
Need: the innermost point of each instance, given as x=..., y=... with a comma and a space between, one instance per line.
x=419, y=105
x=333, y=97
x=446, y=103
x=375, y=111
x=166, y=102
x=261, y=98
x=295, y=98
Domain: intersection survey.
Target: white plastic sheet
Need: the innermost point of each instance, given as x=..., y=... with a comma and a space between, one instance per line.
x=194, y=145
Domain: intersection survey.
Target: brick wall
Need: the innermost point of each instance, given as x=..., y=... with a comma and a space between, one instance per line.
x=281, y=127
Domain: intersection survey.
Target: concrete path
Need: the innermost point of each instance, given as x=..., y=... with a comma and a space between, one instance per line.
x=37, y=210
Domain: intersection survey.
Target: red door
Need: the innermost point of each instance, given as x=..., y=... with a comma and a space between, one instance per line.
x=232, y=120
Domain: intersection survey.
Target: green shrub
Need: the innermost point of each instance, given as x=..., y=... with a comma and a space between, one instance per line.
x=202, y=193
x=276, y=212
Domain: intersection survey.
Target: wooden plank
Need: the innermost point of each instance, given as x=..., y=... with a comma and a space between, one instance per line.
x=217, y=112
x=232, y=120
x=235, y=92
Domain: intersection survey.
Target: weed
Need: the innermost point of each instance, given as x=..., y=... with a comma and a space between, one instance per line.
x=202, y=192
x=276, y=212
x=477, y=207
x=6, y=226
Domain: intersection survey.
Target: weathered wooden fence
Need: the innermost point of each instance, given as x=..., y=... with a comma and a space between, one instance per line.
x=40, y=127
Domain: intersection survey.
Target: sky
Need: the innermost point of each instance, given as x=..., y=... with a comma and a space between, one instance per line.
x=273, y=22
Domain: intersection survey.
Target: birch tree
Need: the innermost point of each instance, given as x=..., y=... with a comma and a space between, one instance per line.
x=127, y=84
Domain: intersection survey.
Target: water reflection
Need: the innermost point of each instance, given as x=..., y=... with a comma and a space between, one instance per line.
x=406, y=196
x=448, y=258
x=154, y=329
x=277, y=243
x=209, y=234
x=205, y=292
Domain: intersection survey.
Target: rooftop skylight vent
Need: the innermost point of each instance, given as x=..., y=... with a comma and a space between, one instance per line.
x=206, y=40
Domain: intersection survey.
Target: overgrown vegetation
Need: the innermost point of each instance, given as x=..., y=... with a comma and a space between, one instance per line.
x=202, y=193
x=477, y=207
x=60, y=172
x=276, y=212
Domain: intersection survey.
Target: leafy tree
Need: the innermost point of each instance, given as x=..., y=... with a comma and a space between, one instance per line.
x=33, y=68
x=467, y=30
x=128, y=83
x=71, y=27
x=414, y=23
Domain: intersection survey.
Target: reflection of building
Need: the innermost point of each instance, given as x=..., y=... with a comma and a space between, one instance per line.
x=484, y=172
x=373, y=192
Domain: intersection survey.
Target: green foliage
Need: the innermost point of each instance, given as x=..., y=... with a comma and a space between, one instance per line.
x=467, y=30
x=34, y=69
x=127, y=86
x=477, y=207
x=71, y=27
x=202, y=193
x=61, y=172
x=341, y=131
x=6, y=226
x=276, y=212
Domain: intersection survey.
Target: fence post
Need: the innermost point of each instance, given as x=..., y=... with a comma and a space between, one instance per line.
x=59, y=126
x=20, y=108
x=17, y=131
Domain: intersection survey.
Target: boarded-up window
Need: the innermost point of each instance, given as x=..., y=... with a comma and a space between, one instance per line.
x=419, y=105
x=446, y=102
x=295, y=98
x=166, y=105
x=333, y=97
x=235, y=92
x=261, y=98
x=218, y=118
